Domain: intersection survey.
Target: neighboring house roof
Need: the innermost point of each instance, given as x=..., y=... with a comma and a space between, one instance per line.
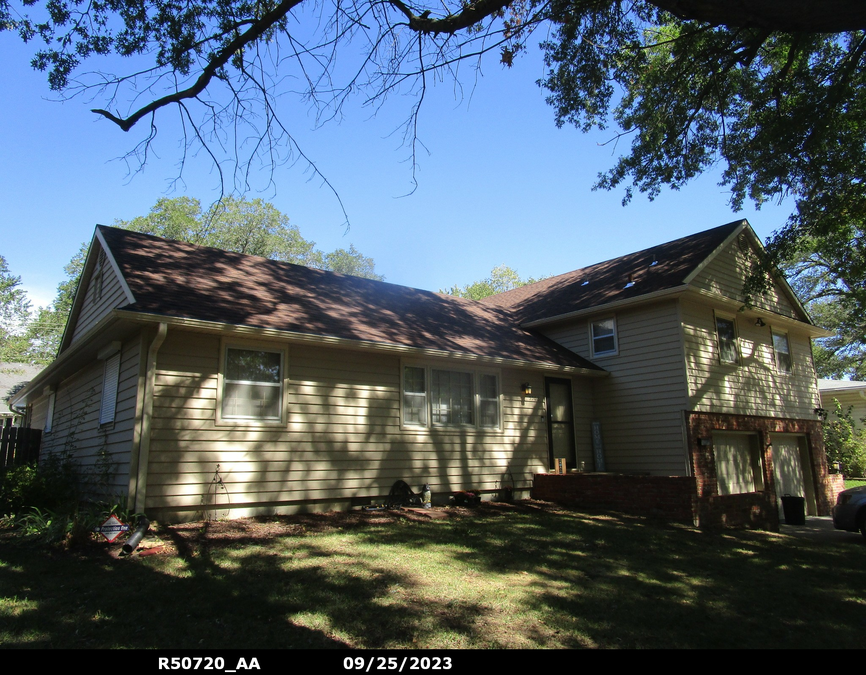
x=13, y=376
x=841, y=386
x=181, y=280
x=663, y=268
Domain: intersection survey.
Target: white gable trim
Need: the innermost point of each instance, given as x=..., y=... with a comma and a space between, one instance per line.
x=130, y=298
x=731, y=238
x=756, y=241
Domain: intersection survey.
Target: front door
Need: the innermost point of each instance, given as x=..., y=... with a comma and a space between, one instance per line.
x=560, y=422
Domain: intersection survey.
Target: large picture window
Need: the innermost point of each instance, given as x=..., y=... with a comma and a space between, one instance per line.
x=452, y=399
x=449, y=398
x=252, y=384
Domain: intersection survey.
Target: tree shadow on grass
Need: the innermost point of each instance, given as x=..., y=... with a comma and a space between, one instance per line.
x=577, y=579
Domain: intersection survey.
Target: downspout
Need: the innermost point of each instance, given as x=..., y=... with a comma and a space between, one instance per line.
x=146, y=417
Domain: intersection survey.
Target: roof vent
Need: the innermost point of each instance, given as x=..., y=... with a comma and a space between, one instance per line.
x=585, y=283
x=655, y=260
x=630, y=281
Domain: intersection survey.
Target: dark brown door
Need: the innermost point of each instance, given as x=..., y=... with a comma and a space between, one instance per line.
x=560, y=421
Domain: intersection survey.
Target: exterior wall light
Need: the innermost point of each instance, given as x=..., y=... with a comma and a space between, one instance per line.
x=526, y=388
x=760, y=322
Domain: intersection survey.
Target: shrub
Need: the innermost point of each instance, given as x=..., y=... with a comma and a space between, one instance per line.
x=846, y=445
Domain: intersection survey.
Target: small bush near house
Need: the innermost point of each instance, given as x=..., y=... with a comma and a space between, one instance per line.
x=52, y=484
x=45, y=502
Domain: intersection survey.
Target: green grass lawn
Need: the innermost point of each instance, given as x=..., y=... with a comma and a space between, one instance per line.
x=493, y=578
x=854, y=482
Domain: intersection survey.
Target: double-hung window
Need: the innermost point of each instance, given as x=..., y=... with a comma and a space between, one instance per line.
x=449, y=398
x=252, y=385
x=726, y=332
x=603, y=335
x=782, y=350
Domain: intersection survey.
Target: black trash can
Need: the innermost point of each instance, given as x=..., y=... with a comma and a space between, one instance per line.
x=795, y=510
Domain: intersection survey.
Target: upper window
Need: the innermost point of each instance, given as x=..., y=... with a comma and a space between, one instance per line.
x=726, y=331
x=252, y=384
x=450, y=398
x=782, y=349
x=603, y=336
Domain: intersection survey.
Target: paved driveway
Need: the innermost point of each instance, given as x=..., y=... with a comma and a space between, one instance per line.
x=820, y=528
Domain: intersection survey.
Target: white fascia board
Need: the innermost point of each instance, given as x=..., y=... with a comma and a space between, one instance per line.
x=346, y=343
x=130, y=298
x=736, y=307
x=54, y=372
x=731, y=238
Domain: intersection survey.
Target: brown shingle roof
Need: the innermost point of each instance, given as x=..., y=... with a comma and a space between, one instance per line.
x=608, y=281
x=177, y=279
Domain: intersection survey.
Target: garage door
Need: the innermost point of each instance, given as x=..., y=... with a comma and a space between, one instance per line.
x=738, y=462
x=792, y=470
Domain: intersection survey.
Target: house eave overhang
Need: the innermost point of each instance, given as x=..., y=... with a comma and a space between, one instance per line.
x=71, y=359
x=663, y=294
x=347, y=343
x=774, y=320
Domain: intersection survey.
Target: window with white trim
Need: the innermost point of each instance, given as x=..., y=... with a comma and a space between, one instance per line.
x=110, y=379
x=603, y=336
x=782, y=351
x=450, y=398
x=252, y=384
x=414, y=396
x=726, y=334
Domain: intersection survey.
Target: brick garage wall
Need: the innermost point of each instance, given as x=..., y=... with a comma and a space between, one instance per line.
x=748, y=507
x=670, y=497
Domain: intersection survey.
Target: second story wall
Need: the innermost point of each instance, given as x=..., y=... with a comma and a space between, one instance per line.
x=755, y=384
x=640, y=405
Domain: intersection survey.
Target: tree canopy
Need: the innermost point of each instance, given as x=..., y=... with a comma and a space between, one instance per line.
x=14, y=315
x=253, y=227
x=772, y=92
x=502, y=278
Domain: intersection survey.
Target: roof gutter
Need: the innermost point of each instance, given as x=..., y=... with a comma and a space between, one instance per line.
x=347, y=343
x=75, y=349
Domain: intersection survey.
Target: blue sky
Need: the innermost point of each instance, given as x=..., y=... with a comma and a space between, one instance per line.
x=501, y=184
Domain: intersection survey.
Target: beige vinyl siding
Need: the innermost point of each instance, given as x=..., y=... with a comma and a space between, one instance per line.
x=39, y=414
x=343, y=438
x=93, y=308
x=754, y=386
x=640, y=405
x=76, y=430
x=726, y=272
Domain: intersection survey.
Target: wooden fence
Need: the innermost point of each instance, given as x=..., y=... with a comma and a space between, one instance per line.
x=18, y=445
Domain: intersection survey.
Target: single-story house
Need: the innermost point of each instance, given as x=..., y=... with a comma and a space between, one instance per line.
x=214, y=381
x=849, y=394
